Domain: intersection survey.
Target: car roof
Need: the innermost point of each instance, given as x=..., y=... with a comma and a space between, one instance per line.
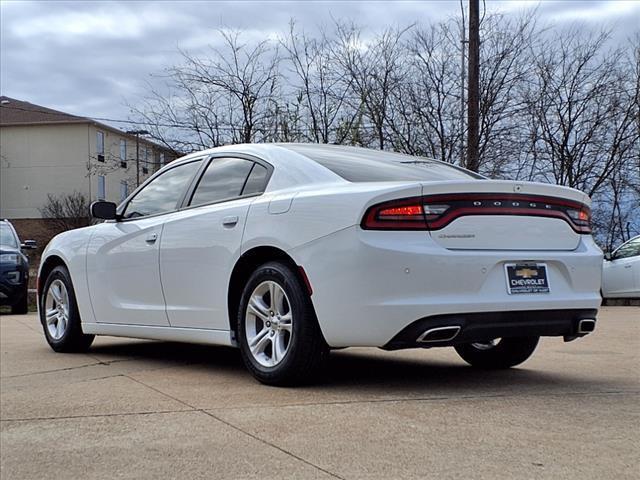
x=299, y=162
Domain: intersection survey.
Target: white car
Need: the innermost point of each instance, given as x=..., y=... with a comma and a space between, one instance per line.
x=621, y=271
x=289, y=250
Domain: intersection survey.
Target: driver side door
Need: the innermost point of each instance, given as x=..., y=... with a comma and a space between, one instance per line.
x=123, y=269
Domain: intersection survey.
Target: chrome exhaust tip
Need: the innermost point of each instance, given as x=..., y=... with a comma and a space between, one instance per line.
x=439, y=334
x=586, y=325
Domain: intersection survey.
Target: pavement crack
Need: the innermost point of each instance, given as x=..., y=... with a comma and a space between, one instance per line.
x=430, y=399
x=54, y=370
x=239, y=429
x=273, y=445
x=95, y=415
x=44, y=372
x=161, y=392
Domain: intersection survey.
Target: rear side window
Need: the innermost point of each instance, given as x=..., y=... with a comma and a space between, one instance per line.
x=363, y=165
x=163, y=192
x=257, y=181
x=223, y=180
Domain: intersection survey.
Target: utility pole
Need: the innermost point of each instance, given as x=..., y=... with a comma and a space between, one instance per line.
x=473, y=103
x=137, y=133
x=463, y=59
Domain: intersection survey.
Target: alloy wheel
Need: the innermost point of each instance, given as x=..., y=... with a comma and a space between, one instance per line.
x=268, y=324
x=56, y=308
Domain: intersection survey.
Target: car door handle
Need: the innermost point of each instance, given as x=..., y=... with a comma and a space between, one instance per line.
x=230, y=221
x=627, y=266
x=152, y=238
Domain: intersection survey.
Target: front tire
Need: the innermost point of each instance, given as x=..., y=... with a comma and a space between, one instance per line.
x=279, y=336
x=498, y=354
x=59, y=314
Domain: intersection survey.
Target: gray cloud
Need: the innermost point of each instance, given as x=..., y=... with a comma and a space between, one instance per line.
x=90, y=58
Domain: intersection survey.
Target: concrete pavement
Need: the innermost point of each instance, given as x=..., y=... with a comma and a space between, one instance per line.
x=141, y=409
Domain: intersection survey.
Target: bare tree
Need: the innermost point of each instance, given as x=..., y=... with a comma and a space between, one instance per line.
x=66, y=211
x=426, y=115
x=581, y=111
x=375, y=69
x=322, y=86
x=225, y=97
x=504, y=69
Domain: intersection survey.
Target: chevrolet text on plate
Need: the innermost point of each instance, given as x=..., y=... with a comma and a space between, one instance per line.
x=287, y=251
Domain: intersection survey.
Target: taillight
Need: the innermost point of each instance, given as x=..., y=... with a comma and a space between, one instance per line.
x=434, y=212
x=405, y=214
x=581, y=218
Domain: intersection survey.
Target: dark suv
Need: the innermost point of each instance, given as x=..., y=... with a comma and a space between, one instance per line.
x=14, y=269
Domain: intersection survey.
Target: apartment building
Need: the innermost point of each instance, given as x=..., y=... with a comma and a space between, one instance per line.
x=44, y=151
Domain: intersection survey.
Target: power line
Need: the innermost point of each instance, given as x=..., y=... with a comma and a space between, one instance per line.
x=101, y=119
x=182, y=126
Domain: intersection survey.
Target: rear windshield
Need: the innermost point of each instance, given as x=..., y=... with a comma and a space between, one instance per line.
x=363, y=165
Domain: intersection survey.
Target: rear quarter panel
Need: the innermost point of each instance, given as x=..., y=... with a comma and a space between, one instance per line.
x=315, y=212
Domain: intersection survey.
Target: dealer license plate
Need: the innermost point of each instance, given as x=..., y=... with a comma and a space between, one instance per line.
x=526, y=278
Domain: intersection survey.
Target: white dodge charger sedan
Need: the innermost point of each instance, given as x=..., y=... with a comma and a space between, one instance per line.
x=289, y=250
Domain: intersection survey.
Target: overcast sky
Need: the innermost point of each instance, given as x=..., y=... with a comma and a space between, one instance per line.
x=91, y=58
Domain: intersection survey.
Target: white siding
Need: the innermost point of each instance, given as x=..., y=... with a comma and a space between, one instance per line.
x=40, y=160
x=37, y=160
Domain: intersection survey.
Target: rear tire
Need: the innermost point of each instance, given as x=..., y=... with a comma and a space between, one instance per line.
x=22, y=307
x=507, y=353
x=287, y=345
x=59, y=314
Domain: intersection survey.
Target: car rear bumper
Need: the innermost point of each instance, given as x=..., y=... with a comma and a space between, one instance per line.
x=369, y=286
x=446, y=330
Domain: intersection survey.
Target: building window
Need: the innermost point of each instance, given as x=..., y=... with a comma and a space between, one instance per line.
x=123, y=150
x=100, y=146
x=124, y=190
x=102, y=194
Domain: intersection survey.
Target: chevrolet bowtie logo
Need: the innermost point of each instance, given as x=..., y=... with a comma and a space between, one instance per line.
x=526, y=273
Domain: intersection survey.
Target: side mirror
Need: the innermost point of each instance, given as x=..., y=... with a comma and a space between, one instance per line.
x=29, y=245
x=607, y=256
x=103, y=210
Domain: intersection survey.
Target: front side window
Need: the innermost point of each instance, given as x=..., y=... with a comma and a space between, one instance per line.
x=629, y=249
x=223, y=180
x=162, y=193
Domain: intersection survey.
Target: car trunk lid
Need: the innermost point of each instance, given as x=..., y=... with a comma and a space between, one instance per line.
x=505, y=215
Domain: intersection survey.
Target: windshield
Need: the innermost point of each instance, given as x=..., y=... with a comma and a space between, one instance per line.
x=7, y=238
